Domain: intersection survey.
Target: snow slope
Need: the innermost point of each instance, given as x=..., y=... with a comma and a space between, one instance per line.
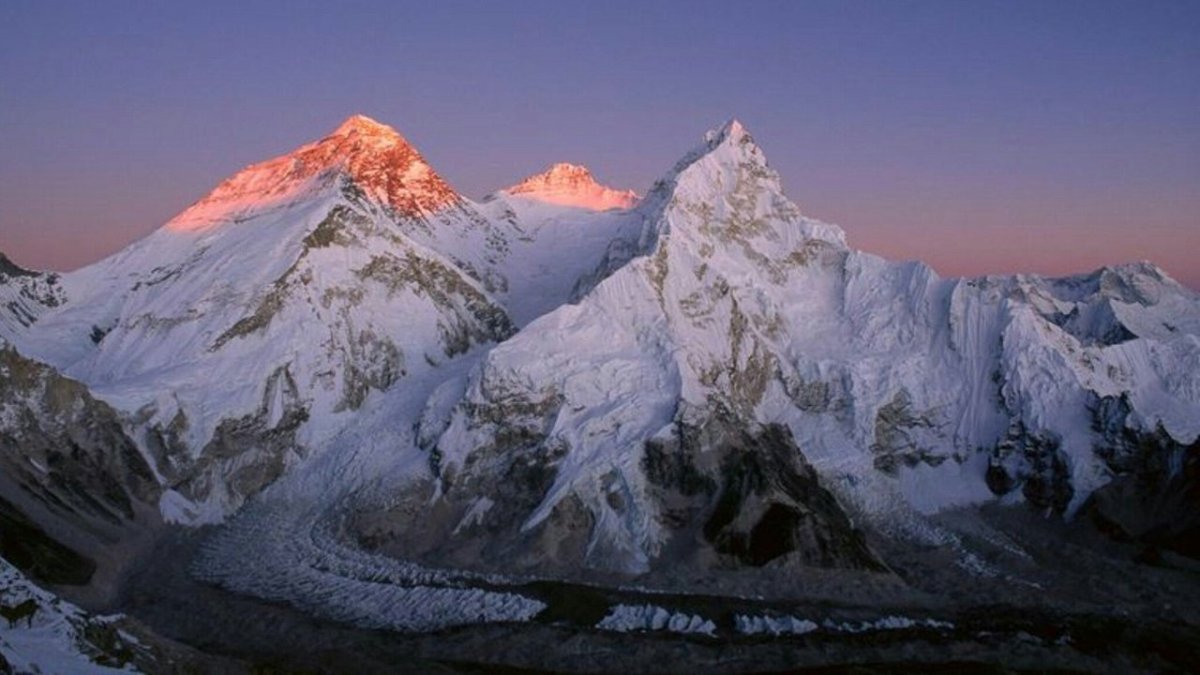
x=247, y=330
x=58, y=637
x=24, y=296
x=907, y=392
x=242, y=332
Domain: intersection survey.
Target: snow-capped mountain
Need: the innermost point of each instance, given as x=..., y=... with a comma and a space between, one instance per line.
x=364, y=376
x=563, y=239
x=300, y=285
x=572, y=185
x=246, y=328
x=665, y=403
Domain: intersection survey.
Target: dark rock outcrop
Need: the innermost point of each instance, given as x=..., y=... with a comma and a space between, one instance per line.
x=73, y=483
x=750, y=496
x=1154, y=496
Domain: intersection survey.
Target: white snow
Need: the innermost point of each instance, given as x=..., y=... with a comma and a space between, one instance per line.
x=289, y=545
x=53, y=641
x=841, y=335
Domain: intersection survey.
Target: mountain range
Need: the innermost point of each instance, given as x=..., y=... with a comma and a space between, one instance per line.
x=374, y=400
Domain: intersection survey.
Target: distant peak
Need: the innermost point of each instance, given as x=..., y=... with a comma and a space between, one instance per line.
x=729, y=145
x=568, y=169
x=573, y=185
x=364, y=126
x=374, y=157
x=560, y=176
x=732, y=131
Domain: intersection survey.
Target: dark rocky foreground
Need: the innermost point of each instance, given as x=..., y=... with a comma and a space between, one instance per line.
x=1055, y=597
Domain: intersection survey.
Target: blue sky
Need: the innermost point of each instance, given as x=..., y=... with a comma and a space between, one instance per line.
x=979, y=136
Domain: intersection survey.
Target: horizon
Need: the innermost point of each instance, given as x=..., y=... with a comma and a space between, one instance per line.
x=1029, y=139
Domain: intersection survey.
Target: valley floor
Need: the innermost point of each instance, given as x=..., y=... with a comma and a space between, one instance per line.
x=1043, y=596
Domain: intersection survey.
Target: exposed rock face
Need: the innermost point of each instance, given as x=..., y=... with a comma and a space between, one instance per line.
x=751, y=497
x=722, y=497
x=1154, y=496
x=1035, y=464
x=901, y=436
x=74, y=483
x=24, y=296
x=377, y=159
x=244, y=455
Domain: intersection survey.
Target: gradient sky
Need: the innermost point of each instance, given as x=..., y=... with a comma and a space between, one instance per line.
x=980, y=137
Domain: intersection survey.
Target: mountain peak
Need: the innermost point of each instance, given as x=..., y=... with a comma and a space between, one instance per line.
x=560, y=176
x=372, y=156
x=365, y=126
x=733, y=130
x=727, y=175
x=569, y=184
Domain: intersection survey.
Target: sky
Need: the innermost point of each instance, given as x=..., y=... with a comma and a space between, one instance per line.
x=980, y=137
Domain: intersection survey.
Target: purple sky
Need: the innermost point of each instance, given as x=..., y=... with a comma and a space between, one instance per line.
x=980, y=137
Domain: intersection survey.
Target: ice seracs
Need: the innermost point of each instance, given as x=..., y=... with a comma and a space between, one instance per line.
x=572, y=185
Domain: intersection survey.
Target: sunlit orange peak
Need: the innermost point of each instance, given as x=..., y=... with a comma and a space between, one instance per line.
x=573, y=185
x=363, y=125
x=372, y=156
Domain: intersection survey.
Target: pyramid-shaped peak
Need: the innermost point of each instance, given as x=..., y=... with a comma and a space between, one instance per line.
x=727, y=146
x=364, y=126
x=372, y=156
x=569, y=184
x=729, y=173
x=732, y=131
x=562, y=175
